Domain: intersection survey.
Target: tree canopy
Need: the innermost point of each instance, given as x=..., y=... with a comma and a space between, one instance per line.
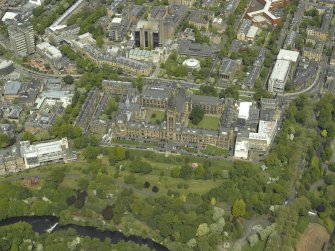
x=196, y=115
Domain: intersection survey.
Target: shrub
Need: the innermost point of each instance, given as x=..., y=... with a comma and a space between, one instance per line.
x=70, y=200
x=155, y=189
x=320, y=208
x=107, y=212
x=140, y=167
x=81, y=195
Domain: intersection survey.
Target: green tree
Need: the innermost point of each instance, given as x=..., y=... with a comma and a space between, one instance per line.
x=91, y=153
x=68, y=79
x=175, y=172
x=5, y=140
x=238, y=209
x=116, y=154
x=138, y=166
x=83, y=183
x=139, y=83
x=199, y=172
x=202, y=229
x=28, y=136
x=186, y=172
x=217, y=213
x=230, y=92
x=208, y=90
x=196, y=115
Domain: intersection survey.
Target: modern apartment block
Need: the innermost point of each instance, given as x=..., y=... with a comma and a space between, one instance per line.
x=21, y=36
x=282, y=70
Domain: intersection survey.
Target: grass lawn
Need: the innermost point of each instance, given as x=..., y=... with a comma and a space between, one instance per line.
x=208, y=122
x=247, y=99
x=260, y=246
x=165, y=183
x=157, y=116
x=214, y=150
x=189, y=149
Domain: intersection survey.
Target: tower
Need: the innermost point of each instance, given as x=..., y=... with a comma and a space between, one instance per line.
x=21, y=38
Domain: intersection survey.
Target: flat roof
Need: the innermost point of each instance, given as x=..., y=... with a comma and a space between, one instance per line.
x=148, y=25
x=56, y=94
x=252, y=32
x=12, y=87
x=117, y=20
x=243, y=110
x=242, y=146
x=9, y=15
x=5, y=63
x=280, y=70
x=288, y=55
x=42, y=148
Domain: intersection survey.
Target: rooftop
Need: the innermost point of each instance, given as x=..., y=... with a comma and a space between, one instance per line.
x=227, y=66
x=242, y=145
x=148, y=25
x=203, y=100
x=280, y=70
x=42, y=148
x=5, y=63
x=9, y=16
x=12, y=88
x=117, y=20
x=288, y=55
x=149, y=93
x=53, y=94
x=243, y=110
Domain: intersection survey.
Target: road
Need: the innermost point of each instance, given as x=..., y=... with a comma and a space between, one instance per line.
x=316, y=84
x=248, y=228
x=185, y=84
x=314, y=88
x=39, y=75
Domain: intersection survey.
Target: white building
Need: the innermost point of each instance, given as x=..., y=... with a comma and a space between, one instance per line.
x=36, y=2
x=42, y=153
x=257, y=141
x=252, y=33
x=243, y=110
x=192, y=64
x=261, y=140
x=241, y=149
x=9, y=16
x=50, y=52
x=284, y=66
